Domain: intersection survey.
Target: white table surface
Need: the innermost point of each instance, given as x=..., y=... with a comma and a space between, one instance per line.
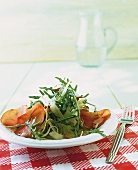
x=112, y=85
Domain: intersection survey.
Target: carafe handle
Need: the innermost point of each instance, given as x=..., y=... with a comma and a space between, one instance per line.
x=115, y=38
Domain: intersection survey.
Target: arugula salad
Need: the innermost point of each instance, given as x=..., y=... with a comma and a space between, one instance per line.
x=57, y=113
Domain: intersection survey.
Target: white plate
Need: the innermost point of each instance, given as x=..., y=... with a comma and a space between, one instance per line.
x=108, y=127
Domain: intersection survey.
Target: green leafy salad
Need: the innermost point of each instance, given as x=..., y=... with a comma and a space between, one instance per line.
x=57, y=113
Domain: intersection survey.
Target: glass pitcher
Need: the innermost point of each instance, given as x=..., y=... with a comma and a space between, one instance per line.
x=92, y=47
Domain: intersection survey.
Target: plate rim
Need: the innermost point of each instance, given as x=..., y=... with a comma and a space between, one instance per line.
x=56, y=144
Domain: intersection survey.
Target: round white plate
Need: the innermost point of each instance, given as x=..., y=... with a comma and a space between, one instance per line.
x=108, y=127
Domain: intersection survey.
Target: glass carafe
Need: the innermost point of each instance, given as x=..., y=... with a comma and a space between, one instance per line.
x=92, y=47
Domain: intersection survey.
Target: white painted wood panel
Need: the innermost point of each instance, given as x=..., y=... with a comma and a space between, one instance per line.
x=11, y=77
x=122, y=78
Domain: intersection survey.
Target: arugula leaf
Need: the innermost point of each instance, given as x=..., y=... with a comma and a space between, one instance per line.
x=35, y=97
x=96, y=131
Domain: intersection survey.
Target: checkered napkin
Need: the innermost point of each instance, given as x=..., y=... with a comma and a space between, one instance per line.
x=91, y=156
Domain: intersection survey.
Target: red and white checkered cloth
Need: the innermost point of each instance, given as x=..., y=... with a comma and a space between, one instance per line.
x=91, y=156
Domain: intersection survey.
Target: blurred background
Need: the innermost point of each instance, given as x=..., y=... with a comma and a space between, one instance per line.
x=46, y=30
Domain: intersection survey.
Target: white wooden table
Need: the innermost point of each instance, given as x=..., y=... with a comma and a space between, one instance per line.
x=112, y=85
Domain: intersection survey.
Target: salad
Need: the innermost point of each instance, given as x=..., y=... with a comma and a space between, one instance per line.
x=57, y=113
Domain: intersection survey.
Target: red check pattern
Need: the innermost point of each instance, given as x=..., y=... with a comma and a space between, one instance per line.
x=86, y=157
